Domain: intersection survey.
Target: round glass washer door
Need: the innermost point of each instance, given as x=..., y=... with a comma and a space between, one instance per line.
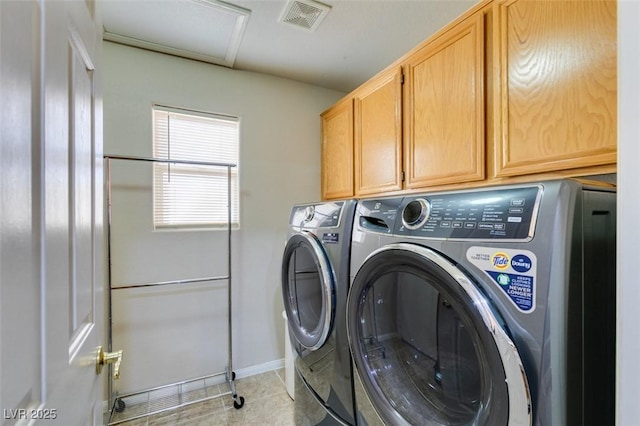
x=427, y=346
x=308, y=289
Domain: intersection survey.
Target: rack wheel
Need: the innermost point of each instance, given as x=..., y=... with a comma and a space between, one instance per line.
x=233, y=375
x=120, y=405
x=238, y=405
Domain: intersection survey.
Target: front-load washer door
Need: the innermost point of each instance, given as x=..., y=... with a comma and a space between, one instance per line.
x=427, y=347
x=308, y=288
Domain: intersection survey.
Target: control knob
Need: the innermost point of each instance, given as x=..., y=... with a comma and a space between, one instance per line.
x=416, y=213
x=309, y=212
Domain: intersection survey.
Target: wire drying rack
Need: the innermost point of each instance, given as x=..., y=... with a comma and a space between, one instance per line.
x=177, y=397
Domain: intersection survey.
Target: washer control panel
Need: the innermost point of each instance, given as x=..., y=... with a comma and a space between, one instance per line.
x=494, y=214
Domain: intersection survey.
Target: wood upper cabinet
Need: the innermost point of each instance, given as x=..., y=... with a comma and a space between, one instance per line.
x=378, y=134
x=556, y=101
x=337, y=151
x=444, y=107
x=510, y=91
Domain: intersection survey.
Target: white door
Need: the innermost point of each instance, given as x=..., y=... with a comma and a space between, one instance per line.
x=51, y=270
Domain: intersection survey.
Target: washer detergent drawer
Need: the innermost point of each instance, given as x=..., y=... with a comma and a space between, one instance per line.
x=426, y=346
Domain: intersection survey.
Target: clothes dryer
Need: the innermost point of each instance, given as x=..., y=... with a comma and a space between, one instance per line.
x=492, y=306
x=315, y=280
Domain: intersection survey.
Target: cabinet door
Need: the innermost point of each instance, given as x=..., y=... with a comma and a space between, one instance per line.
x=557, y=96
x=445, y=108
x=378, y=134
x=337, y=151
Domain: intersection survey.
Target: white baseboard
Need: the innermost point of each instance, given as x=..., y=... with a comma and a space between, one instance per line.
x=240, y=373
x=260, y=368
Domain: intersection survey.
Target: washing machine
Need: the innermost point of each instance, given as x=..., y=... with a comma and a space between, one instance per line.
x=491, y=306
x=315, y=280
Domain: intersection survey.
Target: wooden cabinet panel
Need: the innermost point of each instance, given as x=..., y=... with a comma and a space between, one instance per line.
x=444, y=108
x=378, y=134
x=557, y=82
x=513, y=90
x=337, y=151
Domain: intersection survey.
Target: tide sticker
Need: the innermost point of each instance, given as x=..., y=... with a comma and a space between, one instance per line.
x=500, y=260
x=513, y=271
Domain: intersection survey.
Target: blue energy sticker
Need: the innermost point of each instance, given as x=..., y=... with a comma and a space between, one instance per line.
x=513, y=271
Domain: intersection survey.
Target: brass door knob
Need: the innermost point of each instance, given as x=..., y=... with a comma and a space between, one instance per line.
x=104, y=358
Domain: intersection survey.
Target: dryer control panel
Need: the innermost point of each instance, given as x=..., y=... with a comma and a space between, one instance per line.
x=496, y=214
x=314, y=216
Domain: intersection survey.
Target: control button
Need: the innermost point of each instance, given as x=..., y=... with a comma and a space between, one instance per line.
x=469, y=225
x=456, y=224
x=516, y=210
x=445, y=224
x=499, y=226
x=514, y=219
x=484, y=225
x=519, y=202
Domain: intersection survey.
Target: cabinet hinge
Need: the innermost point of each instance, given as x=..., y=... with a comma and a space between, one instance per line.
x=402, y=176
x=402, y=78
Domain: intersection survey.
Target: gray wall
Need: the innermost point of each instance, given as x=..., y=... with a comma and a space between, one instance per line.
x=178, y=332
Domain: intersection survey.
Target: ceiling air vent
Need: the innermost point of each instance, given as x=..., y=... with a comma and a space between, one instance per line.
x=304, y=14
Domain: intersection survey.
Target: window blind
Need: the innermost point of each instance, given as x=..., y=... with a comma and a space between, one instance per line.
x=194, y=196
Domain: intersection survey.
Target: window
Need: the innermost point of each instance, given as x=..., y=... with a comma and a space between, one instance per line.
x=187, y=195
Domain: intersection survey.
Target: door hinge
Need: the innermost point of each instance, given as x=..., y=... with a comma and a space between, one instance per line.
x=402, y=78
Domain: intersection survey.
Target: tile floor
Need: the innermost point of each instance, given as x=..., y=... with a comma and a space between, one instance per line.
x=266, y=402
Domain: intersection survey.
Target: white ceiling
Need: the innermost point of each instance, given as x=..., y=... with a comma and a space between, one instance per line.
x=355, y=40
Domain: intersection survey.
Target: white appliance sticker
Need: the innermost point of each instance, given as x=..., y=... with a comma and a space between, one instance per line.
x=514, y=271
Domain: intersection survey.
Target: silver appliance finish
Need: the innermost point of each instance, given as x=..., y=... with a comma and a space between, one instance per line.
x=315, y=279
x=488, y=306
